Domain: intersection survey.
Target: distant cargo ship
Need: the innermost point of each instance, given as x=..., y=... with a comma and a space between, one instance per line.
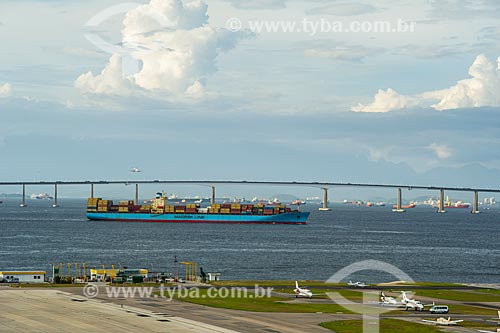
x=450, y=205
x=161, y=211
x=411, y=205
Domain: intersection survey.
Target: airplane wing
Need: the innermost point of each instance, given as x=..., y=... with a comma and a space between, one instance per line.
x=487, y=331
x=453, y=322
x=429, y=321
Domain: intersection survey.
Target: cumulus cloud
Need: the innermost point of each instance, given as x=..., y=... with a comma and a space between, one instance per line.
x=173, y=47
x=343, y=9
x=110, y=81
x=385, y=100
x=481, y=89
x=5, y=90
x=441, y=151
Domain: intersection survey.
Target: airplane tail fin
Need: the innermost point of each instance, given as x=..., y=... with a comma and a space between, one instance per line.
x=296, y=285
x=449, y=318
x=498, y=314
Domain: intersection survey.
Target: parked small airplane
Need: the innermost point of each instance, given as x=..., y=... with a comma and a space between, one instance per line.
x=443, y=321
x=357, y=284
x=411, y=303
x=134, y=169
x=390, y=301
x=404, y=303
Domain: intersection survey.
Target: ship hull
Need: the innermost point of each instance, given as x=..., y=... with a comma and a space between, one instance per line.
x=285, y=218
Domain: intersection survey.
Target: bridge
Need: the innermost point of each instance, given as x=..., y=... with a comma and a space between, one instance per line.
x=325, y=186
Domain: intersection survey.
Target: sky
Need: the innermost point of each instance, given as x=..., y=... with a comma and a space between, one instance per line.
x=379, y=91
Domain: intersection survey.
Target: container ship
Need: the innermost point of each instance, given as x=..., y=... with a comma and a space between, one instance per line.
x=160, y=211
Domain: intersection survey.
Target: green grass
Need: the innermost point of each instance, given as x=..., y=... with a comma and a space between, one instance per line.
x=386, y=326
x=461, y=296
x=265, y=304
x=488, y=291
x=272, y=283
x=355, y=296
x=471, y=310
x=432, y=284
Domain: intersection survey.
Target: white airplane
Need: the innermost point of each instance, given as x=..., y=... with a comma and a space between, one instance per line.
x=134, y=169
x=443, y=321
x=302, y=292
x=411, y=303
x=357, y=284
x=390, y=301
x=497, y=331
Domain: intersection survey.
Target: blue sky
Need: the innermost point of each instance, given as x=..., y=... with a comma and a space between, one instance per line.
x=173, y=90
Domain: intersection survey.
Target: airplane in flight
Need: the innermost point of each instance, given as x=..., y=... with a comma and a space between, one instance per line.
x=134, y=169
x=443, y=321
x=357, y=284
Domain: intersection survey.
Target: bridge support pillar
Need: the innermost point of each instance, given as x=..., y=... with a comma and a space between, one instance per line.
x=212, y=196
x=55, y=197
x=23, y=200
x=441, y=202
x=136, y=194
x=475, y=203
x=399, y=208
x=325, y=201
x=92, y=191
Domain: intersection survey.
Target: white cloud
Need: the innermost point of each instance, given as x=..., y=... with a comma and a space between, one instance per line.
x=171, y=47
x=110, y=81
x=343, y=9
x=481, y=89
x=441, y=151
x=5, y=90
x=385, y=100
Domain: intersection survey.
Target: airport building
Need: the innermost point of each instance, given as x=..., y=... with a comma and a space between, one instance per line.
x=23, y=276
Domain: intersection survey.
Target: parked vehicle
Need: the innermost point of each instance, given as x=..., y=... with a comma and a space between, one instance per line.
x=439, y=309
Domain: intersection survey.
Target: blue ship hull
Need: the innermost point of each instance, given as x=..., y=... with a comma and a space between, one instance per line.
x=285, y=218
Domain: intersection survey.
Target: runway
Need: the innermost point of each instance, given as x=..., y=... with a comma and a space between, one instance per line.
x=67, y=310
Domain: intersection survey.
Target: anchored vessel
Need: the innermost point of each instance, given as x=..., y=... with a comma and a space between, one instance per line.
x=161, y=211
